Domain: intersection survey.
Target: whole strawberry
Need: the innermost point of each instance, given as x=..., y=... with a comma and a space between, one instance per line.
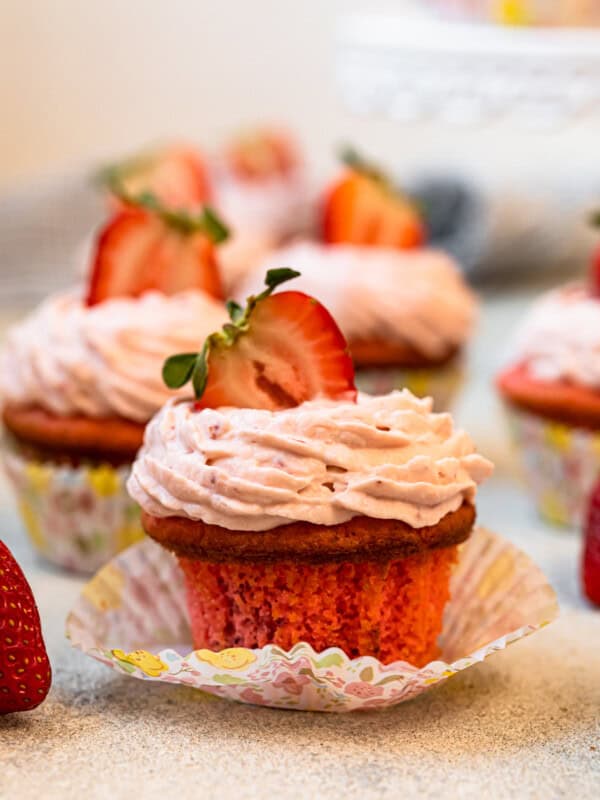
x=25, y=673
x=591, y=549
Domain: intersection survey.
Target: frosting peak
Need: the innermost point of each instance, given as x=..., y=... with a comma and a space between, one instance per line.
x=322, y=462
x=103, y=360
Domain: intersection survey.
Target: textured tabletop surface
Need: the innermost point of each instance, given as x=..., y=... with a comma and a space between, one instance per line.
x=525, y=724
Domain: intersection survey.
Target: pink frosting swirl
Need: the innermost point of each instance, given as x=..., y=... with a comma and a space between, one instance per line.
x=322, y=462
x=103, y=360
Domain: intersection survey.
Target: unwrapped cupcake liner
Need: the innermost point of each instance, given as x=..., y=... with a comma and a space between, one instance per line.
x=441, y=383
x=560, y=465
x=77, y=517
x=132, y=616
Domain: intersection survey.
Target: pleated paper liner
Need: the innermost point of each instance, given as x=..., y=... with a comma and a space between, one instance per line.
x=77, y=517
x=132, y=617
x=560, y=465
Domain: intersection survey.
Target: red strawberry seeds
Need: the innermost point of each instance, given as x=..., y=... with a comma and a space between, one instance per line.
x=590, y=572
x=25, y=673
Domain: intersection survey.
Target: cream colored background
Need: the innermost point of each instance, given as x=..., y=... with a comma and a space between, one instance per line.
x=85, y=79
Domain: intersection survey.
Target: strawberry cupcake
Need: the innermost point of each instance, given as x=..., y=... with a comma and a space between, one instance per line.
x=81, y=376
x=551, y=388
x=404, y=308
x=298, y=510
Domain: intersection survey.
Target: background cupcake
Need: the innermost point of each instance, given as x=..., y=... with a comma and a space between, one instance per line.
x=262, y=189
x=257, y=181
x=405, y=309
x=80, y=377
x=334, y=521
x=552, y=392
x=407, y=314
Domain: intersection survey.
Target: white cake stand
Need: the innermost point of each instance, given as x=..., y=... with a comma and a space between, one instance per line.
x=411, y=69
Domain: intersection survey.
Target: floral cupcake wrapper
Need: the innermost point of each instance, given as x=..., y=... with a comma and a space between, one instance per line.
x=441, y=383
x=560, y=465
x=132, y=617
x=77, y=517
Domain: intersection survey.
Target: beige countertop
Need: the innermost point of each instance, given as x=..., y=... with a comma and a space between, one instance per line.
x=525, y=724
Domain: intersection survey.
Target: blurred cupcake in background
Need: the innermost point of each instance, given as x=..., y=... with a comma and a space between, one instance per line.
x=81, y=376
x=262, y=191
x=551, y=388
x=546, y=13
x=257, y=181
x=404, y=308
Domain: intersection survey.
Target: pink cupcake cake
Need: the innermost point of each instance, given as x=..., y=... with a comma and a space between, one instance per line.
x=81, y=376
x=297, y=510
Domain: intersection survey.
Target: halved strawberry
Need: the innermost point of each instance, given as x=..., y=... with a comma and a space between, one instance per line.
x=262, y=153
x=144, y=246
x=176, y=175
x=364, y=208
x=279, y=351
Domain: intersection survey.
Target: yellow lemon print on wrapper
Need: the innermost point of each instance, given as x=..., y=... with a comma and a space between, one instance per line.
x=104, y=480
x=232, y=658
x=552, y=508
x=418, y=383
x=500, y=572
x=148, y=663
x=32, y=523
x=105, y=591
x=39, y=476
x=558, y=436
x=512, y=12
x=596, y=445
x=129, y=534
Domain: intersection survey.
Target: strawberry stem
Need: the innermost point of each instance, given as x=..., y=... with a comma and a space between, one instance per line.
x=352, y=159
x=205, y=221
x=179, y=369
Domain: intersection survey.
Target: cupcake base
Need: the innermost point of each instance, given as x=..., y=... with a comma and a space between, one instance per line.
x=369, y=586
x=560, y=463
x=77, y=516
x=133, y=618
x=391, y=610
x=69, y=475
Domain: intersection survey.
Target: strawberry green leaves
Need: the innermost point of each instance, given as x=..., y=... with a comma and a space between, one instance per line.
x=205, y=221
